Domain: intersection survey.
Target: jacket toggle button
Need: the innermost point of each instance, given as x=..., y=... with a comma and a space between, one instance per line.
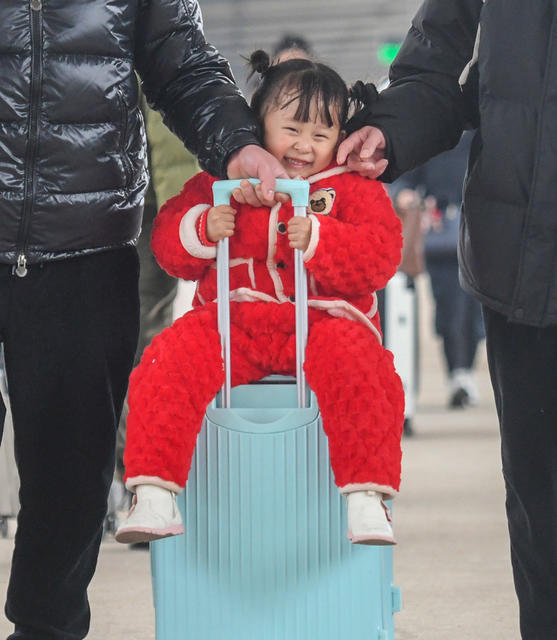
x=281, y=227
x=281, y=265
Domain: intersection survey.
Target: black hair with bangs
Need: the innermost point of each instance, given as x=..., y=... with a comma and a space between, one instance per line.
x=303, y=80
x=308, y=82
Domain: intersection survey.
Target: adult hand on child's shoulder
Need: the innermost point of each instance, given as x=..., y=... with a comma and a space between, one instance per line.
x=253, y=161
x=299, y=232
x=220, y=222
x=364, y=152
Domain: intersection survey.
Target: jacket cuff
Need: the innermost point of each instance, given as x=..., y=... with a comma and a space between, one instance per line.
x=202, y=230
x=188, y=234
x=234, y=142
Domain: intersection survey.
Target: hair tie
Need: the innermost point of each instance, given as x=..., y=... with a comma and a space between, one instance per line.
x=260, y=62
x=364, y=94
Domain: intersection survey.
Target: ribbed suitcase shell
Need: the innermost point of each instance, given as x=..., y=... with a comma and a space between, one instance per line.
x=401, y=336
x=265, y=554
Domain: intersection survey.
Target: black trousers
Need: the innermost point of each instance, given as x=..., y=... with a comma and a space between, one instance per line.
x=70, y=331
x=523, y=367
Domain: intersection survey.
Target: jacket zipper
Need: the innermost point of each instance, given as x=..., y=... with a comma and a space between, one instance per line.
x=124, y=137
x=20, y=269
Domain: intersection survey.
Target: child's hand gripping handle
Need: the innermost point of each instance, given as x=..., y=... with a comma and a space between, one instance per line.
x=299, y=193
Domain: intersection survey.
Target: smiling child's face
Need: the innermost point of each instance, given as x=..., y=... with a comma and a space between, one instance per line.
x=303, y=148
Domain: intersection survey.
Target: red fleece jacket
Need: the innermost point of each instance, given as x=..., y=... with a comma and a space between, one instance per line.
x=354, y=250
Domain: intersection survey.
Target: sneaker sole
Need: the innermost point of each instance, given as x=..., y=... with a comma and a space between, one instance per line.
x=371, y=539
x=132, y=535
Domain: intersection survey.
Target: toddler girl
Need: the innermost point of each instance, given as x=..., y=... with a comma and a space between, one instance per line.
x=351, y=241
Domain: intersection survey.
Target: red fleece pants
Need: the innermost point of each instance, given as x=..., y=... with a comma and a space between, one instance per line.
x=360, y=395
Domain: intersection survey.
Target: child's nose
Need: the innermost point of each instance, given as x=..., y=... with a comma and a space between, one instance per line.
x=302, y=145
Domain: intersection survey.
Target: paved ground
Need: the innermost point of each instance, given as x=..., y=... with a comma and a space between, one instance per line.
x=452, y=560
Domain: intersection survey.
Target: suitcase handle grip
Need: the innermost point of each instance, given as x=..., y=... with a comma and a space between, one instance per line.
x=299, y=193
x=298, y=190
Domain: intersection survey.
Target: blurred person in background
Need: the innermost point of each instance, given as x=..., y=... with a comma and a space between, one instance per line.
x=292, y=45
x=492, y=66
x=289, y=46
x=434, y=190
x=9, y=480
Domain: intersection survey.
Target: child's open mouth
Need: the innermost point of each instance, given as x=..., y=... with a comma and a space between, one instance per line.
x=294, y=162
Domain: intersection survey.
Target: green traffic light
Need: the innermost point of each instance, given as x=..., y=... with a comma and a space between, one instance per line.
x=386, y=52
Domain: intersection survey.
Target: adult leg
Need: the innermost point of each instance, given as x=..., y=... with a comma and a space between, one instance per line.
x=361, y=401
x=70, y=336
x=445, y=287
x=468, y=326
x=522, y=363
x=456, y=324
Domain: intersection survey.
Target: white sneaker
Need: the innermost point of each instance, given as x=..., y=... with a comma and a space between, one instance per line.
x=369, y=521
x=154, y=515
x=463, y=390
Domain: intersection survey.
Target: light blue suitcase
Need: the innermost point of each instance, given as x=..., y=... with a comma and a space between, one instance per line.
x=265, y=554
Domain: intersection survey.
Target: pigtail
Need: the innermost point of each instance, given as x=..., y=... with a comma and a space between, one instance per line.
x=362, y=95
x=259, y=62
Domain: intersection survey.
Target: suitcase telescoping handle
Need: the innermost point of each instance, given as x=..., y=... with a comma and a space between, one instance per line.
x=299, y=193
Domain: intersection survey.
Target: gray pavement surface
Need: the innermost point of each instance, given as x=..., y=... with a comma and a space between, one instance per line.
x=452, y=559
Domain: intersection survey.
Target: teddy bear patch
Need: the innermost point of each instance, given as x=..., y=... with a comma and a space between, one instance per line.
x=321, y=201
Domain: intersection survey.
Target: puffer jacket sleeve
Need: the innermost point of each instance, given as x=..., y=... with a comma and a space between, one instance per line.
x=165, y=239
x=357, y=251
x=424, y=110
x=190, y=83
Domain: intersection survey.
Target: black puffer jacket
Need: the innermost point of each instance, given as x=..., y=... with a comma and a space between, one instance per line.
x=508, y=239
x=72, y=156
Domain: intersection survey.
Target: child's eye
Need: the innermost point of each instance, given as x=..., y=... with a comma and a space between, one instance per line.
x=292, y=129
